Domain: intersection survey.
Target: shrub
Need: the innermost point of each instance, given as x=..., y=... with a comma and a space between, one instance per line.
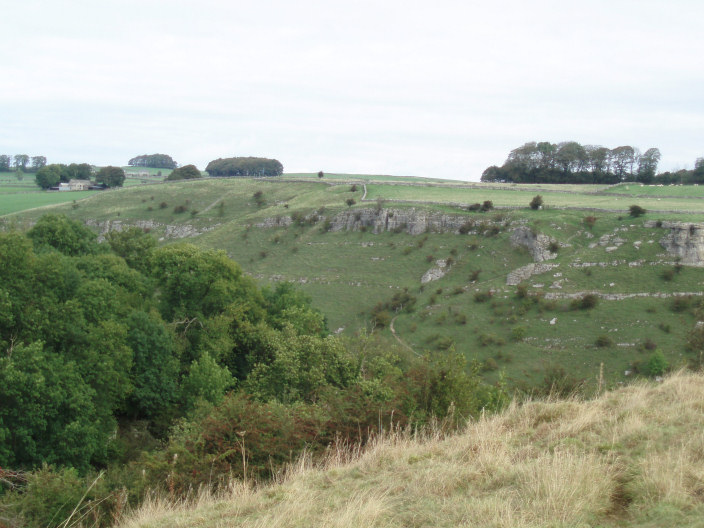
x=668, y=275
x=656, y=364
x=558, y=382
x=353, y=188
x=474, y=207
x=589, y=221
x=649, y=344
x=474, y=276
x=522, y=291
x=518, y=333
x=490, y=364
x=381, y=318
x=603, y=341
x=681, y=304
x=444, y=343
x=487, y=205
x=466, y=227
x=180, y=209
x=321, y=174
x=259, y=198
x=480, y=297
x=587, y=302
x=636, y=210
x=163, y=205
x=553, y=247
x=536, y=203
x=350, y=202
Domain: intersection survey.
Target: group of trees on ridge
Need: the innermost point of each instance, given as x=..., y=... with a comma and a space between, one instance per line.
x=244, y=166
x=570, y=162
x=98, y=338
x=156, y=161
x=21, y=162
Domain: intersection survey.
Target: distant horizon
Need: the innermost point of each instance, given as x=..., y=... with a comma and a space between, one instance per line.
x=677, y=167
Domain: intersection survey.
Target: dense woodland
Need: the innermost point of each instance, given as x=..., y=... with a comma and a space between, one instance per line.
x=245, y=166
x=166, y=367
x=570, y=162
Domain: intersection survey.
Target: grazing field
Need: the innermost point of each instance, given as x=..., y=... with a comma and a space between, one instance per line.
x=15, y=202
x=471, y=308
x=635, y=189
x=520, y=197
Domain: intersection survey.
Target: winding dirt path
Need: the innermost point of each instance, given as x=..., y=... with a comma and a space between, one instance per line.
x=401, y=341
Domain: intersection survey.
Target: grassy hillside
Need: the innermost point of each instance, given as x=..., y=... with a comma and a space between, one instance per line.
x=632, y=457
x=471, y=308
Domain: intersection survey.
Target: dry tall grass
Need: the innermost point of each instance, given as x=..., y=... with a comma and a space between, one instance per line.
x=633, y=457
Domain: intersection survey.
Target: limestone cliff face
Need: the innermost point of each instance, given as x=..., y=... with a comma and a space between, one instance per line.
x=170, y=231
x=410, y=221
x=684, y=240
x=537, y=243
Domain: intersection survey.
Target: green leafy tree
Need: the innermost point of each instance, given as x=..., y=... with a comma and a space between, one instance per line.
x=187, y=172
x=648, y=165
x=657, y=365
x=206, y=380
x=79, y=171
x=21, y=161
x=110, y=176
x=48, y=176
x=537, y=202
x=155, y=367
x=134, y=245
x=636, y=210
x=47, y=413
x=303, y=366
x=38, y=162
x=198, y=283
x=63, y=234
x=5, y=163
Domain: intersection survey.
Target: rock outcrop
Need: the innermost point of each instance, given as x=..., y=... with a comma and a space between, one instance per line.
x=438, y=272
x=537, y=243
x=684, y=241
x=526, y=272
x=170, y=231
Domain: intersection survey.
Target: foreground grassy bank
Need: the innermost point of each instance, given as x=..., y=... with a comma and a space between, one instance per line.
x=632, y=457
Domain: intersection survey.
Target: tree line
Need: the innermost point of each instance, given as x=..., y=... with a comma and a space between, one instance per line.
x=21, y=162
x=117, y=356
x=570, y=162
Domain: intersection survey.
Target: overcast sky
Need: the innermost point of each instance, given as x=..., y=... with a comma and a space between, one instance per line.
x=439, y=89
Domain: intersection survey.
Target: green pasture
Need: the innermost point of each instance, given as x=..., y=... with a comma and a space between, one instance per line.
x=521, y=198
x=337, y=177
x=12, y=203
x=636, y=189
